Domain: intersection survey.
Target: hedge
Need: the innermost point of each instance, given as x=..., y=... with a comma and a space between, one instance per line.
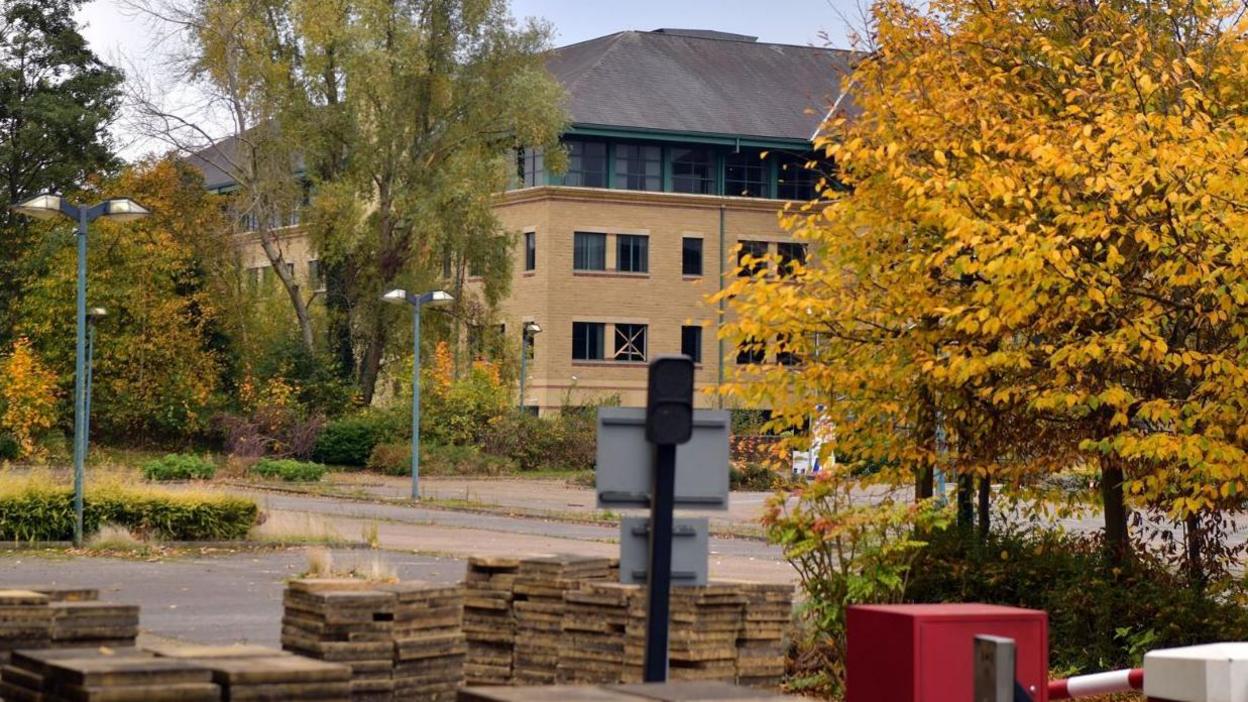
x=288, y=469
x=179, y=467
x=35, y=512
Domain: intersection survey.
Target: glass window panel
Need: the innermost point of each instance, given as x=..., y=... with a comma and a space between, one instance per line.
x=530, y=251
x=691, y=343
x=587, y=164
x=751, y=351
x=693, y=171
x=691, y=256
x=747, y=175
x=790, y=253
x=632, y=253
x=797, y=182
x=756, y=250
x=630, y=342
x=638, y=167
x=587, y=341
x=589, y=251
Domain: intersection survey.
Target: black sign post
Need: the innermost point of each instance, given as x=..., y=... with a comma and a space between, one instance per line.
x=669, y=422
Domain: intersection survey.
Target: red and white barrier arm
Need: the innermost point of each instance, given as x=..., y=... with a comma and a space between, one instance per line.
x=1096, y=684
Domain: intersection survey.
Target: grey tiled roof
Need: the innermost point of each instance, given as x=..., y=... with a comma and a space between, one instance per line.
x=700, y=81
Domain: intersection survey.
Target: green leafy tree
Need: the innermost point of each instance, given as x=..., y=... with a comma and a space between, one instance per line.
x=56, y=101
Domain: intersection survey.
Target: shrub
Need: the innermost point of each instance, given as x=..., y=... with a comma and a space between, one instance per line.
x=752, y=476
x=9, y=450
x=271, y=430
x=179, y=467
x=289, y=470
x=456, y=411
x=349, y=441
x=1100, y=617
x=566, y=441
x=32, y=510
x=396, y=459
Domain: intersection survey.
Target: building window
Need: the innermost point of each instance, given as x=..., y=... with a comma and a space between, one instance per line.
x=589, y=251
x=532, y=167
x=587, y=341
x=786, y=355
x=756, y=250
x=751, y=351
x=316, y=277
x=587, y=164
x=747, y=175
x=630, y=342
x=791, y=254
x=797, y=182
x=693, y=171
x=638, y=167
x=691, y=256
x=691, y=343
x=632, y=253
x=530, y=251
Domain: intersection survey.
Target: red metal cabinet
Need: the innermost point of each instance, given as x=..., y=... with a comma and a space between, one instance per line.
x=923, y=653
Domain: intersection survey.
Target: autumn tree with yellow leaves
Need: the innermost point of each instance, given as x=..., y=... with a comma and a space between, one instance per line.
x=1040, y=254
x=27, y=399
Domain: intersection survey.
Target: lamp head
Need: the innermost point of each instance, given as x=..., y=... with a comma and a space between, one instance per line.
x=123, y=209
x=398, y=296
x=95, y=314
x=41, y=206
x=532, y=328
x=437, y=297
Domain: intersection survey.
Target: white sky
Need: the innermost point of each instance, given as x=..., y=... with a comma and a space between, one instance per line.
x=125, y=40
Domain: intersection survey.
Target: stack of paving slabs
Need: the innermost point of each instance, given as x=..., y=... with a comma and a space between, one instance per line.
x=702, y=639
x=344, y=621
x=760, y=643
x=25, y=621
x=596, y=620
x=104, y=675
x=540, y=586
x=81, y=624
x=489, y=623
x=429, y=644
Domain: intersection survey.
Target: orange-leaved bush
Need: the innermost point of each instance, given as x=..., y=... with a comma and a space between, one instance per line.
x=27, y=398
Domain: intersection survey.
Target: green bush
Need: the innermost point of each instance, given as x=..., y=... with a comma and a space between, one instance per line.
x=290, y=470
x=1101, y=616
x=349, y=441
x=179, y=467
x=396, y=459
x=752, y=476
x=9, y=450
x=566, y=441
x=36, y=512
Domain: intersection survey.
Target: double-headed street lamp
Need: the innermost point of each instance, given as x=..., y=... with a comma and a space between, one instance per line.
x=47, y=206
x=403, y=297
x=527, y=332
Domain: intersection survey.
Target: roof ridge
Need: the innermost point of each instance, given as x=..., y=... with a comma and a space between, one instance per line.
x=756, y=42
x=613, y=40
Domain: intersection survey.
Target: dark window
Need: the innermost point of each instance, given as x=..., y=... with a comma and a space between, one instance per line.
x=632, y=253
x=693, y=171
x=747, y=174
x=530, y=341
x=316, y=277
x=587, y=341
x=532, y=167
x=630, y=342
x=797, y=182
x=638, y=167
x=530, y=251
x=751, y=351
x=691, y=343
x=587, y=164
x=790, y=254
x=589, y=252
x=755, y=249
x=786, y=354
x=691, y=256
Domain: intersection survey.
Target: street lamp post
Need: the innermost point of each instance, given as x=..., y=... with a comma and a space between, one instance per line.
x=47, y=206
x=402, y=297
x=94, y=315
x=527, y=332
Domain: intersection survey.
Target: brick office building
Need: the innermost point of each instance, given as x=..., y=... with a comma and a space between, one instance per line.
x=683, y=145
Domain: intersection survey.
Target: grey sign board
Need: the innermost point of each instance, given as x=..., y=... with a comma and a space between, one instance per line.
x=624, y=471
x=689, y=550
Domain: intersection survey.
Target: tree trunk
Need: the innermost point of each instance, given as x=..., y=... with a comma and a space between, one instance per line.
x=300, y=306
x=985, y=499
x=925, y=475
x=370, y=364
x=966, y=502
x=1195, y=561
x=338, y=305
x=1116, y=538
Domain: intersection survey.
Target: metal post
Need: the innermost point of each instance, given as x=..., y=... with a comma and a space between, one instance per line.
x=659, y=578
x=524, y=353
x=994, y=669
x=86, y=433
x=416, y=401
x=80, y=390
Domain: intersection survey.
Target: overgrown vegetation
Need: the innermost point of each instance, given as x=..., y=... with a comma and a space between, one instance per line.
x=179, y=467
x=33, y=509
x=289, y=470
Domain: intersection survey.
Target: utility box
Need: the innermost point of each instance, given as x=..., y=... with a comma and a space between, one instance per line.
x=1209, y=673
x=924, y=653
